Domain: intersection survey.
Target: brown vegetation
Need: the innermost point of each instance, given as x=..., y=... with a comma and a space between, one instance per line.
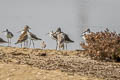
x=103, y=45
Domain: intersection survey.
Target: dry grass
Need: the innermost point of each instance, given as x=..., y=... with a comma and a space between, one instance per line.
x=104, y=45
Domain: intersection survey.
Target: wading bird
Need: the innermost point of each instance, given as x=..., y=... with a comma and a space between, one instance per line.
x=66, y=37
x=87, y=31
x=43, y=45
x=32, y=38
x=24, y=36
x=9, y=36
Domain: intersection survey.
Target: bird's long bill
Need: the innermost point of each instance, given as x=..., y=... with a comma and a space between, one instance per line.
x=3, y=31
x=83, y=32
x=19, y=31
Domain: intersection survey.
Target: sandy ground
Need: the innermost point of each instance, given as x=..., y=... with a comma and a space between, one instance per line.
x=24, y=72
x=37, y=64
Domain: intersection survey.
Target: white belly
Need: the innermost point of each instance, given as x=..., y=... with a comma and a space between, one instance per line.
x=84, y=37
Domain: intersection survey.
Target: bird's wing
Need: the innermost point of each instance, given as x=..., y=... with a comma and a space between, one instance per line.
x=34, y=36
x=11, y=34
x=67, y=38
x=3, y=41
x=22, y=38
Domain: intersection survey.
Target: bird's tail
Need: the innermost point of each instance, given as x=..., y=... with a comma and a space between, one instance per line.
x=5, y=42
x=39, y=39
x=71, y=41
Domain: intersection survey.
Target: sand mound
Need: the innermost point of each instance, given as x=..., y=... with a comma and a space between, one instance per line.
x=69, y=63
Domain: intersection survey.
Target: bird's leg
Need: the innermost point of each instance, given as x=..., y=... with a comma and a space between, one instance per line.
x=8, y=41
x=21, y=45
x=26, y=43
x=59, y=45
x=66, y=46
x=63, y=46
x=56, y=44
x=30, y=43
x=33, y=44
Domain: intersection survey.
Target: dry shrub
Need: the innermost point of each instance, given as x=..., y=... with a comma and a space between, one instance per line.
x=104, y=45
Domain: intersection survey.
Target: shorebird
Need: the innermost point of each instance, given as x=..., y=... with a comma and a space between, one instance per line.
x=26, y=41
x=43, y=45
x=87, y=31
x=54, y=36
x=3, y=41
x=32, y=38
x=9, y=36
x=24, y=36
x=66, y=37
